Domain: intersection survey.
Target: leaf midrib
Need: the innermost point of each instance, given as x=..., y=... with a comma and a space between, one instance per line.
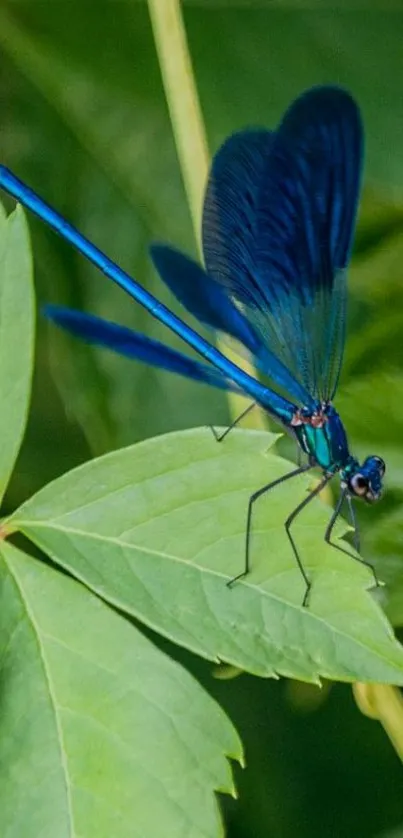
x=177, y=559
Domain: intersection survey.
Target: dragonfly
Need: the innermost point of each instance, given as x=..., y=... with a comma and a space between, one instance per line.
x=278, y=224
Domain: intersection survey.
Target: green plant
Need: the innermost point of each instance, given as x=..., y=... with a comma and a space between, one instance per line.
x=100, y=732
x=154, y=530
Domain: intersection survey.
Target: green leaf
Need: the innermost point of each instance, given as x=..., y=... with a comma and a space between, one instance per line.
x=159, y=528
x=17, y=326
x=101, y=734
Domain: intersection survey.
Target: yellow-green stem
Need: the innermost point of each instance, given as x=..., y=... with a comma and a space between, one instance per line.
x=385, y=704
x=188, y=126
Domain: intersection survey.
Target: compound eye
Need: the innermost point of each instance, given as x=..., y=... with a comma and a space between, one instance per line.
x=381, y=465
x=359, y=484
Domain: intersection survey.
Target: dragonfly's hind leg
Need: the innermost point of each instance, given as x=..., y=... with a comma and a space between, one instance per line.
x=328, y=534
x=253, y=498
x=219, y=437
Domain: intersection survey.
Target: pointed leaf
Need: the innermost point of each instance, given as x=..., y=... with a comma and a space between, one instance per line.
x=100, y=733
x=16, y=337
x=159, y=528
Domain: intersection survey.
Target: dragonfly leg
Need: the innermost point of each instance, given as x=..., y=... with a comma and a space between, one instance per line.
x=290, y=520
x=329, y=530
x=252, y=499
x=219, y=437
x=356, y=532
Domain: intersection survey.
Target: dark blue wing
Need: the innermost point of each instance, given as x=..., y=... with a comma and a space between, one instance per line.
x=278, y=226
x=126, y=342
x=230, y=212
x=211, y=304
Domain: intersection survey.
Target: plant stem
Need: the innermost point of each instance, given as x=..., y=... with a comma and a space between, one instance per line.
x=188, y=128
x=384, y=703
x=183, y=102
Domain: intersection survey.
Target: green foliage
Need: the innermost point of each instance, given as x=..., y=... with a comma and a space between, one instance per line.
x=155, y=530
x=91, y=707
x=158, y=529
x=87, y=703
x=16, y=337
x=84, y=121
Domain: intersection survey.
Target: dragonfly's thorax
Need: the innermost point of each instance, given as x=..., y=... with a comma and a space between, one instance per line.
x=322, y=436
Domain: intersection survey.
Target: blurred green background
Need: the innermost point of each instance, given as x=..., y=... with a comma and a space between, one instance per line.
x=84, y=121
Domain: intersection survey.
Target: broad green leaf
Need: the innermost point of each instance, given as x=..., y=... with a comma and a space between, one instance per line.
x=159, y=528
x=16, y=337
x=101, y=734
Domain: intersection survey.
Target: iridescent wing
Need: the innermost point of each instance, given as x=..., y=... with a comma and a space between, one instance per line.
x=278, y=225
x=95, y=330
x=208, y=301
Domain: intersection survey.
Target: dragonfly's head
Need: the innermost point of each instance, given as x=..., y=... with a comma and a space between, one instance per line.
x=365, y=480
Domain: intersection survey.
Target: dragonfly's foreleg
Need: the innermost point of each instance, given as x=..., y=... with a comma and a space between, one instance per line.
x=290, y=520
x=328, y=534
x=219, y=437
x=252, y=500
